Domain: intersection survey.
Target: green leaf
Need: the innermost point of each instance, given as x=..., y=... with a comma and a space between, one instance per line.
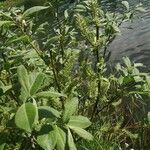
x=79, y=121
x=148, y=115
x=126, y=4
x=80, y=8
x=4, y=88
x=61, y=139
x=33, y=10
x=5, y=23
x=71, y=143
x=37, y=83
x=140, y=9
x=127, y=62
x=24, y=95
x=23, y=78
x=46, y=94
x=48, y=141
x=115, y=27
x=52, y=40
x=70, y=109
x=117, y=103
x=26, y=116
x=82, y=133
x=66, y=14
x=2, y=146
x=128, y=80
x=23, y=38
x=47, y=112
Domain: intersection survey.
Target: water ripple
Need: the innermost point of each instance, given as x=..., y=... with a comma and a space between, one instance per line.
x=135, y=39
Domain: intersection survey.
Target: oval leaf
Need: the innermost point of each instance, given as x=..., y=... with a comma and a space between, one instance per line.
x=61, y=139
x=33, y=10
x=5, y=23
x=26, y=116
x=126, y=4
x=79, y=121
x=148, y=115
x=46, y=94
x=140, y=9
x=82, y=133
x=37, y=83
x=71, y=143
x=2, y=146
x=23, y=78
x=70, y=108
x=48, y=141
x=47, y=112
x=23, y=38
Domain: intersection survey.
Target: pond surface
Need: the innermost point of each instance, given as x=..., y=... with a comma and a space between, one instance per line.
x=134, y=41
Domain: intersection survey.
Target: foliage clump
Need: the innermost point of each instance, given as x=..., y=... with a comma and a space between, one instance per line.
x=54, y=76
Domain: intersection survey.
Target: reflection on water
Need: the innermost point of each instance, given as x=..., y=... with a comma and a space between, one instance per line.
x=135, y=39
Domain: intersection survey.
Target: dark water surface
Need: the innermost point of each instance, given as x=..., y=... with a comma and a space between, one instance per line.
x=134, y=40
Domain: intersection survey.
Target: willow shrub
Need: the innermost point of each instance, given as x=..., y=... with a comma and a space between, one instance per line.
x=53, y=80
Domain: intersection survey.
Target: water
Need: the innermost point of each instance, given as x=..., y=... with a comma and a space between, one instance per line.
x=134, y=41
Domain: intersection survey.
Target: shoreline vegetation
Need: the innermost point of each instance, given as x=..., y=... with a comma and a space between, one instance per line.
x=56, y=92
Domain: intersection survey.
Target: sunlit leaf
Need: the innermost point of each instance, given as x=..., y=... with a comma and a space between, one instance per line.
x=2, y=146
x=47, y=140
x=148, y=115
x=140, y=9
x=115, y=27
x=70, y=108
x=4, y=88
x=46, y=94
x=71, y=143
x=82, y=133
x=26, y=116
x=79, y=121
x=126, y=4
x=61, y=139
x=23, y=38
x=23, y=78
x=127, y=62
x=5, y=23
x=37, y=83
x=33, y=10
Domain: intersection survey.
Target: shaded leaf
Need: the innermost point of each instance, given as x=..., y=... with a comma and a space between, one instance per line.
x=47, y=112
